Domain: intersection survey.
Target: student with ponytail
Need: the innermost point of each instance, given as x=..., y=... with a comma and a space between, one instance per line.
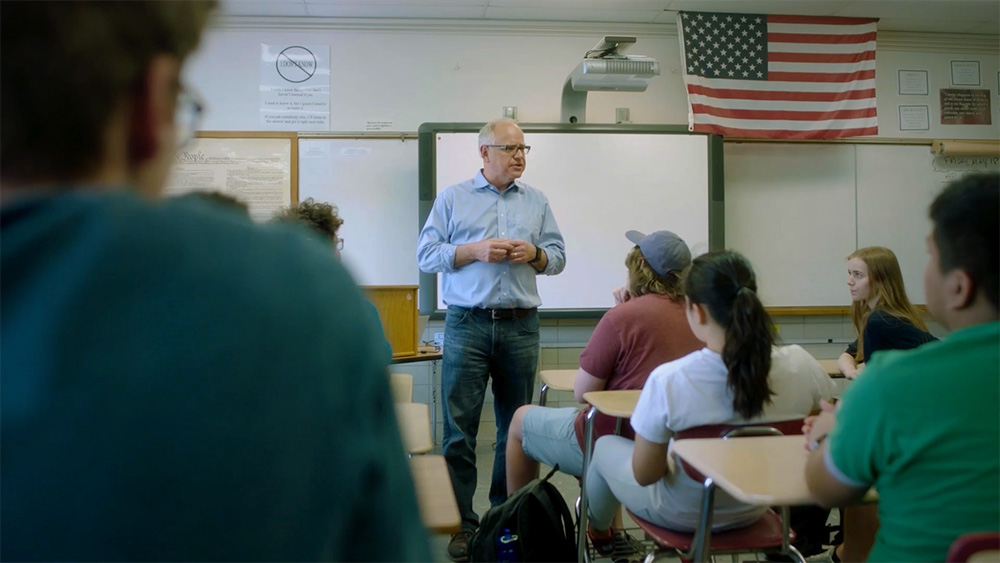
x=738, y=377
x=883, y=316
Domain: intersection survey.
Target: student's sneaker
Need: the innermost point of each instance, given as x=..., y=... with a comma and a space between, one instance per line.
x=603, y=545
x=627, y=549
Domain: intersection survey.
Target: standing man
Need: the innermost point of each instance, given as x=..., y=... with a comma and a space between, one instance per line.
x=921, y=425
x=178, y=383
x=490, y=236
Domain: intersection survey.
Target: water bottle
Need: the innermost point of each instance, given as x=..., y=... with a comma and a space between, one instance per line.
x=507, y=546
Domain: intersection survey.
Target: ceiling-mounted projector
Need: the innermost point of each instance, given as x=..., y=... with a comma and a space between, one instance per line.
x=605, y=68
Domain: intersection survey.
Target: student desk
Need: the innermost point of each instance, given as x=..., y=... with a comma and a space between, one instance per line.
x=558, y=379
x=612, y=403
x=831, y=367
x=763, y=471
x=435, y=497
x=426, y=354
x=415, y=427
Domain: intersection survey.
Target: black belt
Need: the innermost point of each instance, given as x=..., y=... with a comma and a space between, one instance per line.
x=502, y=314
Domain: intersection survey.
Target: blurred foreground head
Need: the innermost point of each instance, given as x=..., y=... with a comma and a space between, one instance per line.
x=90, y=90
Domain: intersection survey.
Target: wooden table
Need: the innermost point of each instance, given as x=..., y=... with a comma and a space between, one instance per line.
x=415, y=427
x=435, y=497
x=558, y=379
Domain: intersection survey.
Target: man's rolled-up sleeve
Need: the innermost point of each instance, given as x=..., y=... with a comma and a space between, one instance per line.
x=435, y=253
x=551, y=241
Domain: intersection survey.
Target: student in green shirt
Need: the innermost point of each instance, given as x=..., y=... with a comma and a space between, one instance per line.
x=921, y=425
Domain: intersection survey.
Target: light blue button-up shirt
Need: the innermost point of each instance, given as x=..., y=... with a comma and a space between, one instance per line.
x=475, y=210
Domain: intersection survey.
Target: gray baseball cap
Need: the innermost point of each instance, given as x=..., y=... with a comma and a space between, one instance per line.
x=664, y=251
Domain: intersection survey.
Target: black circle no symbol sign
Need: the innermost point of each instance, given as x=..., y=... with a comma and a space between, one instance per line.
x=296, y=64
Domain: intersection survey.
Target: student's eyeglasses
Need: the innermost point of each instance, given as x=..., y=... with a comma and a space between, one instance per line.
x=340, y=244
x=512, y=149
x=187, y=115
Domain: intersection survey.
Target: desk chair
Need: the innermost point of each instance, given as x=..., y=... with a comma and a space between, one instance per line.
x=401, y=385
x=435, y=496
x=767, y=533
x=975, y=547
x=557, y=379
x=415, y=427
x=618, y=404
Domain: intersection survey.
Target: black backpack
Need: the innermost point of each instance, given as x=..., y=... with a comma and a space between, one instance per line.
x=538, y=515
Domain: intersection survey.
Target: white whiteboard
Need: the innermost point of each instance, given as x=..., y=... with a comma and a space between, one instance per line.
x=797, y=210
x=790, y=210
x=599, y=186
x=896, y=185
x=374, y=184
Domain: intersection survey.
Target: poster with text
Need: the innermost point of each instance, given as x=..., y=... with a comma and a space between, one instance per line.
x=295, y=87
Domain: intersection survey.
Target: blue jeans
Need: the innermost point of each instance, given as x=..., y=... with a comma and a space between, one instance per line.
x=477, y=348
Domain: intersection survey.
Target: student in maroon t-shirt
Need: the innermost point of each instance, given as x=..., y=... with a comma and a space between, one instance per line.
x=646, y=328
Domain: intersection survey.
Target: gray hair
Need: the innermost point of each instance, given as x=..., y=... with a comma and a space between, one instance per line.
x=486, y=134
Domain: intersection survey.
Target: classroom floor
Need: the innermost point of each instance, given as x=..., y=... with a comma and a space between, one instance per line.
x=570, y=489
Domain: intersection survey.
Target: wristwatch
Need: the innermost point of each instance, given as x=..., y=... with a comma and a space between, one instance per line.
x=538, y=256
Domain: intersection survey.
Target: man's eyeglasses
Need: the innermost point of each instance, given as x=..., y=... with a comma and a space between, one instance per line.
x=187, y=115
x=340, y=244
x=512, y=149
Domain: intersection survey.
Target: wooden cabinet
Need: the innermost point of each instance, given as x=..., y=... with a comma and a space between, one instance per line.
x=397, y=309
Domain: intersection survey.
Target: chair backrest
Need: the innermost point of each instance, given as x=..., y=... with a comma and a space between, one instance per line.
x=724, y=431
x=402, y=387
x=783, y=428
x=975, y=546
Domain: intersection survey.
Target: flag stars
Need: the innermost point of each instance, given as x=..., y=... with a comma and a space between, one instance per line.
x=724, y=45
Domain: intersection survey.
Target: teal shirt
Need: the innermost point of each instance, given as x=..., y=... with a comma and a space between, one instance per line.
x=923, y=427
x=181, y=384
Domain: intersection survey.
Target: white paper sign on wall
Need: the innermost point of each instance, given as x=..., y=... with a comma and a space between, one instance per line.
x=295, y=87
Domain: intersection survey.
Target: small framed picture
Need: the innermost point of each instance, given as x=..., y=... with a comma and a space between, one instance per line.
x=965, y=73
x=914, y=118
x=913, y=82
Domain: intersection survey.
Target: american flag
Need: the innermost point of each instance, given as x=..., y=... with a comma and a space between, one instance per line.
x=779, y=77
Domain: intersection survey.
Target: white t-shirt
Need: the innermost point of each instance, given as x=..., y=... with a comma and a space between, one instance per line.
x=692, y=391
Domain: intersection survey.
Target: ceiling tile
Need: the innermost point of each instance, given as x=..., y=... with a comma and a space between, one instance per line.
x=259, y=8
x=611, y=5
x=926, y=10
x=795, y=7
x=417, y=3
x=395, y=10
x=580, y=15
x=666, y=16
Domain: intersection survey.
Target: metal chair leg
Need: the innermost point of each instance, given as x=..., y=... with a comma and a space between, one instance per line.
x=582, y=554
x=543, y=394
x=703, y=535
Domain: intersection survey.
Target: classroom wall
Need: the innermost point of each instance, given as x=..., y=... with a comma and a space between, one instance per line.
x=466, y=71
